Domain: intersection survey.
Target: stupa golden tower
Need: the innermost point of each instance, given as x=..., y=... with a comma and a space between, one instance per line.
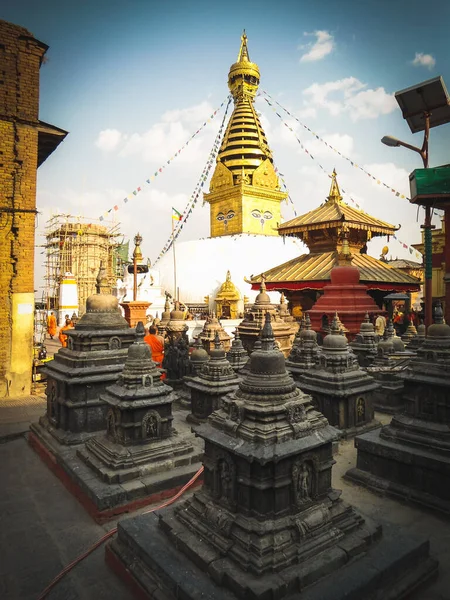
x=244, y=193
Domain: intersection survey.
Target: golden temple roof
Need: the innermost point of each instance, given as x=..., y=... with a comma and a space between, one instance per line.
x=228, y=289
x=317, y=267
x=333, y=212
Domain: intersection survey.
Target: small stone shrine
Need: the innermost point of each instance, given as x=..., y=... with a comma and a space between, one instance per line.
x=418, y=340
x=410, y=456
x=208, y=335
x=237, y=356
x=94, y=358
x=165, y=317
x=267, y=524
x=388, y=369
x=216, y=379
x=198, y=357
x=304, y=354
x=410, y=334
x=341, y=390
x=140, y=444
x=365, y=343
x=249, y=329
x=176, y=328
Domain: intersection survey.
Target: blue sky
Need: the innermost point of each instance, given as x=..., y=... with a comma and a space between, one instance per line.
x=131, y=81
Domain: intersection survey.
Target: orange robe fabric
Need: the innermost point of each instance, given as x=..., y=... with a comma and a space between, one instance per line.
x=63, y=336
x=51, y=325
x=156, y=344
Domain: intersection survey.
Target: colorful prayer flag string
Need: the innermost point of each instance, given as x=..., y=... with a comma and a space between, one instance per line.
x=197, y=190
x=353, y=163
x=150, y=179
x=405, y=246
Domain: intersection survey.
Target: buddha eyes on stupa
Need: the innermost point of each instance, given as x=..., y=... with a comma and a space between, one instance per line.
x=222, y=217
x=265, y=215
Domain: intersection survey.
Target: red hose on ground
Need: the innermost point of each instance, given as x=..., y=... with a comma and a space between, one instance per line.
x=99, y=542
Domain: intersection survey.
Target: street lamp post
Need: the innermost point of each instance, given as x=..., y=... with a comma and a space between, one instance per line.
x=424, y=106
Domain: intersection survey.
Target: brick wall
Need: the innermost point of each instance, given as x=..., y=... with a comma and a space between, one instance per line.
x=20, y=59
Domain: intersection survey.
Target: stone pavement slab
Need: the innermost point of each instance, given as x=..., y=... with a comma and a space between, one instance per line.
x=17, y=414
x=42, y=529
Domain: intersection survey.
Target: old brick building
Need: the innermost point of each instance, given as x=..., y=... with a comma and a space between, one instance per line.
x=25, y=142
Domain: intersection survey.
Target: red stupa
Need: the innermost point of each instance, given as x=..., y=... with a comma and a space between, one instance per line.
x=346, y=295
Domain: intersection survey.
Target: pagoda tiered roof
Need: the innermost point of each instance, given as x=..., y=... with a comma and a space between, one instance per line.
x=311, y=271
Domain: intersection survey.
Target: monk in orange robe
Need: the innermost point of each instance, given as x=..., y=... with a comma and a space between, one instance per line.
x=51, y=325
x=62, y=335
x=156, y=343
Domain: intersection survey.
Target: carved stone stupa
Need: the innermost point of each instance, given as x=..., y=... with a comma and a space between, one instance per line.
x=94, y=358
x=341, y=389
x=365, y=343
x=216, y=379
x=208, y=335
x=250, y=327
x=305, y=350
x=266, y=524
x=140, y=442
x=237, y=356
x=410, y=457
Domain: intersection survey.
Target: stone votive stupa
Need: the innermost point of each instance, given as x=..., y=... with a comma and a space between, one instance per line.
x=96, y=351
x=341, y=390
x=216, y=379
x=237, y=355
x=266, y=524
x=417, y=340
x=410, y=457
x=165, y=317
x=140, y=450
x=365, y=343
x=305, y=350
x=198, y=357
x=410, y=334
x=249, y=328
x=208, y=334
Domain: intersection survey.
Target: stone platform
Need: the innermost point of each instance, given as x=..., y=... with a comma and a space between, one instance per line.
x=103, y=500
x=411, y=472
x=155, y=569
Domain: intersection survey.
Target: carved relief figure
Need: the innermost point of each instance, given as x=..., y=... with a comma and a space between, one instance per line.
x=111, y=425
x=150, y=426
x=114, y=343
x=360, y=410
x=302, y=478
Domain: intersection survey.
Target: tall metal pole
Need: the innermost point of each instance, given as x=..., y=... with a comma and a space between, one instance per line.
x=427, y=235
x=175, y=295
x=134, y=277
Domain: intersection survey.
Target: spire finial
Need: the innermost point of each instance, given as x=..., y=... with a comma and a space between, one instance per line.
x=335, y=330
x=140, y=332
x=217, y=342
x=267, y=339
x=335, y=194
x=243, y=51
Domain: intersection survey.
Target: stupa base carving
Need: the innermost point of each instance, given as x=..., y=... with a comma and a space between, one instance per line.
x=115, y=463
x=363, y=564
x=410, y=463
x=67, y=437
x=126, y=479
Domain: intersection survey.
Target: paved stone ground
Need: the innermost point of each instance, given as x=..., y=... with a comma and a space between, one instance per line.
x=43, y=528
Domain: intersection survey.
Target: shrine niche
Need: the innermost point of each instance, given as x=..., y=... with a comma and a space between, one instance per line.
x=228, y=301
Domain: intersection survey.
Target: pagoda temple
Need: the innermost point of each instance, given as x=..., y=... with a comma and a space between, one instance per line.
x=324, y=230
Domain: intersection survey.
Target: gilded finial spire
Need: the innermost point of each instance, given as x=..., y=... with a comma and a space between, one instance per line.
x=335, y=194
x=243, y=51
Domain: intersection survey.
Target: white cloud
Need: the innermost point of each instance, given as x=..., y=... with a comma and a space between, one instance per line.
x=424, y=60
x=108, y=139
x=164, y=138
x=360, y=103
x=323, y=46
x=344, y=143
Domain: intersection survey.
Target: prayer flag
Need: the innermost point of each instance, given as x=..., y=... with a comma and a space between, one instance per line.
x=176, y=216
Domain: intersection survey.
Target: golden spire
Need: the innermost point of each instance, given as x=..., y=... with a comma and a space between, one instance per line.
x=244, y=193
x=243, y=52
x=335, y=194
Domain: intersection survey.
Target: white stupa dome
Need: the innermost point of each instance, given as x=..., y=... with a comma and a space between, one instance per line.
x=202, y=264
